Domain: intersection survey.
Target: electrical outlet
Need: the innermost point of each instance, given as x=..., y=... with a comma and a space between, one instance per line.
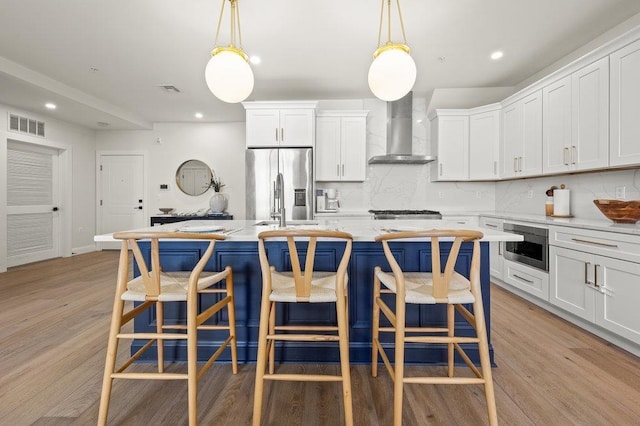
x=478, y=194
x=621, y=192
x=530, y=193
x=440, y=194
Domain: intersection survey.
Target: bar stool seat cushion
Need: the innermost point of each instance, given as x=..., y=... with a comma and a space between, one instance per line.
x=419, y=287
x=173, y=286
x=323, y=287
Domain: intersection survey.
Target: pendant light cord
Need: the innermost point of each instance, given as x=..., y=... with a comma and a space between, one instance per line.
x=234, y=23
x=404, y=36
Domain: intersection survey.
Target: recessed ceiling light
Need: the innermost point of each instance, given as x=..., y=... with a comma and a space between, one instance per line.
x=255, y=60
x=49, y=105
x=497, y=55
x=199, y=115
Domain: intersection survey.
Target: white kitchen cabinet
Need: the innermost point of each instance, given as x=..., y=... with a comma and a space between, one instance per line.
x=522, y=137
x=576, y=123
x=624, y=143
x=484, y=144
x=280, y=124
x=450, y=140
x=596, y=276
x=341, y=141
x=496, y=258
x=571, y=281
x=528, y=279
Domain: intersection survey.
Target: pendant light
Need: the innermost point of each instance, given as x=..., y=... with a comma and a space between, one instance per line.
x=228, y=73
x=393, y=72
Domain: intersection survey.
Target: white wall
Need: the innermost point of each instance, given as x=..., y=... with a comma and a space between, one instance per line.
x=81, y=141
x=220, y=145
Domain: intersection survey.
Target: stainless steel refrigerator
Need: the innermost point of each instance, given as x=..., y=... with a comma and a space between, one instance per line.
x=262, y=167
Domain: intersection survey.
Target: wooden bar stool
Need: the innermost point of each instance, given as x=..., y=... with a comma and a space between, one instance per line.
x=154, y=287
x=302, y=286
x=447, y=287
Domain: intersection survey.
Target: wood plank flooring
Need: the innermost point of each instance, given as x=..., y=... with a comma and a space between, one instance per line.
x=54, y=318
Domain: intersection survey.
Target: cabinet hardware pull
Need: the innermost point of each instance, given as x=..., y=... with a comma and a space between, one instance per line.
x=440, y=169
x=500, y=249
x=578, y=240
x=523, y=279
x=491, y=225
x=595, y=276
x=337, y=169
x=276, y=134
x=573, y=154
x=515, y=164
x=495, y=167
x=282, y=134
x=564, y=156
x=519, y=164
x=343, y=170
x=586, y=266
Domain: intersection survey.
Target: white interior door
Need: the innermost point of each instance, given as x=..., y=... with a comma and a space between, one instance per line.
x=33, y=221
x=122, y=203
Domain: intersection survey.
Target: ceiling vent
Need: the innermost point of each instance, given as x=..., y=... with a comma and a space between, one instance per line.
x=169, y=88
x=18, y=123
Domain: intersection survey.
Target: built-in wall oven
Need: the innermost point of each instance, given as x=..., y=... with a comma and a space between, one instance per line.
x=533, y=251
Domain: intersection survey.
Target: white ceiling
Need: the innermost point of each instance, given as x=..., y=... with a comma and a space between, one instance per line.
x=310, y=49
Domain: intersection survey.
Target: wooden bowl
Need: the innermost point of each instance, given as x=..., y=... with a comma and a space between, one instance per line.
x=166, y=210
x=620, y=211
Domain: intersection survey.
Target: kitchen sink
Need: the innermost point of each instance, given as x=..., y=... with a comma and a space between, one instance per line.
x=289, y=222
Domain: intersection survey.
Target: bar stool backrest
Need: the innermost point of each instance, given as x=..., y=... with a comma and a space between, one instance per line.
x=441, y=279
x=151, y=273
x=302, y=278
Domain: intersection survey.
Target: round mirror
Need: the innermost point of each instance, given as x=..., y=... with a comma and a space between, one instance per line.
x=193, y=177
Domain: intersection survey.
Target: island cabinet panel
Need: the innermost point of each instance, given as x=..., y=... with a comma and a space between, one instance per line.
x=243, y=258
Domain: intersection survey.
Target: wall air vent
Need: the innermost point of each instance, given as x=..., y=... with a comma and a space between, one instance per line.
x=169, y=88
x=18, y=123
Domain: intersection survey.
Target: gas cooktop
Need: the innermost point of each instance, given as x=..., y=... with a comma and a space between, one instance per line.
x=405, y=214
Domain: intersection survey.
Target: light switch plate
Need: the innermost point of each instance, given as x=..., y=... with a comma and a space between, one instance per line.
x=621, y=192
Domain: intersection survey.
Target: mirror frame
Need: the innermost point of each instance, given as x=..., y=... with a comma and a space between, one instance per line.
x=199, y=166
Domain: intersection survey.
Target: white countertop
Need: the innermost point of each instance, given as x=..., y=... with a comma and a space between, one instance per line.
x=597, y=225
x=361, y=229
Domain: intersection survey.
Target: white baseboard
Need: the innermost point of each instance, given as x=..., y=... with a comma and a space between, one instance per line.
x=83, y=250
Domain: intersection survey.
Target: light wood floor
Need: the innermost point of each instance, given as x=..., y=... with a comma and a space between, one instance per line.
x=54, y=318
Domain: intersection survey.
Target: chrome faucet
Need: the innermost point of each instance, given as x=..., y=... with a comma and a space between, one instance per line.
x=279, y=194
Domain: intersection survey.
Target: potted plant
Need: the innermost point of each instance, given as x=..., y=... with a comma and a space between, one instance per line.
x=218, y=201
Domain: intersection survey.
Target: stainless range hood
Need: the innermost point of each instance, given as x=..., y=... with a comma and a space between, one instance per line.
x=399, y=135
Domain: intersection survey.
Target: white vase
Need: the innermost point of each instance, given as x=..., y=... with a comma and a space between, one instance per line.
x=218, y=202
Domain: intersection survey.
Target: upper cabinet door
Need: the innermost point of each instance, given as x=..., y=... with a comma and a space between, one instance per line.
x=511, y=139
x=328, y=148
x=450, y=133
x=624, y=143
x=589, y=147
x=263, y=127
x=531, y=161
x=484, y=145
x=353, y=148
x=297, y=127
x=557, y=149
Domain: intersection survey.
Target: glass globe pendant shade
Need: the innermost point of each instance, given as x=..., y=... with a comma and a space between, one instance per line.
x=229, y=75
x=392, y=73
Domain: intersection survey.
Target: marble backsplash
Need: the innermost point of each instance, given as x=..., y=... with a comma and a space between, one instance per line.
x=405, y=186
x=410, y=187
x=513, y=196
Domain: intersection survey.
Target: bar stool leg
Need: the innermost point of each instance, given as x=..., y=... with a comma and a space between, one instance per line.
x=261, y=359
x=192, y=360
x=159, y=329
x=232, y=321
x=451, y=312
x=110, y=362
x=375, y=327
x=398, y=380
x=272, y=343
x=344, y=359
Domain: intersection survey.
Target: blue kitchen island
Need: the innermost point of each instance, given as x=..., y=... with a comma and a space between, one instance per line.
x=240, y=251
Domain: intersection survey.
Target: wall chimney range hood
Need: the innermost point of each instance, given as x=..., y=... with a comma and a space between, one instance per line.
x=399, y=135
